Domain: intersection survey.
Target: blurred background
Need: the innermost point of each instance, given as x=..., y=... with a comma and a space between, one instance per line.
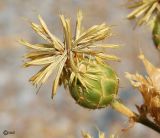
x=38, y=116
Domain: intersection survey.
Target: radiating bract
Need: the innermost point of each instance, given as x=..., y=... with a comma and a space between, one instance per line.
x=144, y=10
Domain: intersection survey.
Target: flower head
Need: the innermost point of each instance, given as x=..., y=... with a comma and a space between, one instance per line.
x=144, y=10
x=65, y=56
x=150, y=89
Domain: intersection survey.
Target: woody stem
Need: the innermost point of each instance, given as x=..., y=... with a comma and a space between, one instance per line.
x=148, y=123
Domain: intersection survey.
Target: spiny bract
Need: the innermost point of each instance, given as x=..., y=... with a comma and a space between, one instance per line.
x=70, y=57
x=144, y=10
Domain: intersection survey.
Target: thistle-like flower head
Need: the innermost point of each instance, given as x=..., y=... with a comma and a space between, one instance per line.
x=64, y=56
x=144, y=10
x=150, y=89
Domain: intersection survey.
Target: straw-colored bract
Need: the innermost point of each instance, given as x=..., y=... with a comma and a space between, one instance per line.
x=144, y=10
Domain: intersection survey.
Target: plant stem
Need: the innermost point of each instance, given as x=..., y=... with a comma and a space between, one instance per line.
x=120, y=107
x=146, y=122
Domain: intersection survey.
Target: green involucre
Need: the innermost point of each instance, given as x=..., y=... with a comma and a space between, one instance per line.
x=96, y=88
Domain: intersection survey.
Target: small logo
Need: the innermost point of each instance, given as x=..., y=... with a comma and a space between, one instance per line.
x=6, y=132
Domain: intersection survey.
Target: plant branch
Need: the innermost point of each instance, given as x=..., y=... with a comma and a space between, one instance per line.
x=148, y=123
x=120, y=107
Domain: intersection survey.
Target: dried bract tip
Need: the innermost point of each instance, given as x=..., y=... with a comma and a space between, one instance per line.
x=144, y=10
x=150, y=89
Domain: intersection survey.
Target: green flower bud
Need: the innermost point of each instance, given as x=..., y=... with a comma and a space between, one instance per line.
x=96, y=87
